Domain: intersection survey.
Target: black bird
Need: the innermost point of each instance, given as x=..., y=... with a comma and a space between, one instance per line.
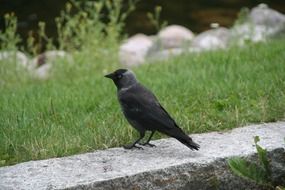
x=143, y=111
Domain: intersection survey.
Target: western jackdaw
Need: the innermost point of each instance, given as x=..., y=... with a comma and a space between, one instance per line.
x=143, y=111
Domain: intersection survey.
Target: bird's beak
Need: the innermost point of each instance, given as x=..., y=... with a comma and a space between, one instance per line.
x=110, y=76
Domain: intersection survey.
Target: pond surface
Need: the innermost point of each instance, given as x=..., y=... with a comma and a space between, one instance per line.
x=196, y=15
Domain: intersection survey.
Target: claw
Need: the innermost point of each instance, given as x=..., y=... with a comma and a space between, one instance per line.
x=130, y=146
x=147, y=144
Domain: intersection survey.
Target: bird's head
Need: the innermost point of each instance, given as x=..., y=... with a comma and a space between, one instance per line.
x=123, y=78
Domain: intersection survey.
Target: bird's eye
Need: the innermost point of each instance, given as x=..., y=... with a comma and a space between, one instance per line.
x=119, y=76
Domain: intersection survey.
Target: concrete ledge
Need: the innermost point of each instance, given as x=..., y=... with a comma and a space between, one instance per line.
x=170, y=165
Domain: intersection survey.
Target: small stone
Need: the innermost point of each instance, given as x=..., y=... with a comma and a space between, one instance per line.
x=215, y=25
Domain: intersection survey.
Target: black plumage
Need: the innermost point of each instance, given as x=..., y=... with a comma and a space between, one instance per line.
x=144, y=112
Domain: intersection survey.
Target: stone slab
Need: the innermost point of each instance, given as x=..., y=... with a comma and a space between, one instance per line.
x=169, y=165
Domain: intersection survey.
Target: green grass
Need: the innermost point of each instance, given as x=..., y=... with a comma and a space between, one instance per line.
x=77, y=111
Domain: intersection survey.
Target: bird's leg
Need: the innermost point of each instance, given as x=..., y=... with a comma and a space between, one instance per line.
x=147, y=142
x=133, y=145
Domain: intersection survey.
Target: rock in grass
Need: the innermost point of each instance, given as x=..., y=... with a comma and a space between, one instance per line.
x=213, y=39
x=261, y=23
x=135, y=49
x=175, y=36
x=19, y=57
x=41, y=65
x=271, y=19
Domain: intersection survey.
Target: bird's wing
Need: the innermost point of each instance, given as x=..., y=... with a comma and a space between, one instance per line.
x=140, y=104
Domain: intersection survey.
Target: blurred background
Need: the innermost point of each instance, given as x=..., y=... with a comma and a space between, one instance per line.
x=195, y=15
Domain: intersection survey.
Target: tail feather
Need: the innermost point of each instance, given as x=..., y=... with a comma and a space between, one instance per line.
x=189, y=143
x=177, y=133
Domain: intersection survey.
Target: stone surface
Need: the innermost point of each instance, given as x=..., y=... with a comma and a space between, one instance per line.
x=135, y=49
x=211, y=40
x=248, y=33
x=174, y=36
x=165, y=54
x=170, y=165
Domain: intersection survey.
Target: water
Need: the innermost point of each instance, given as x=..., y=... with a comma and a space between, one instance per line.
x=196, y=15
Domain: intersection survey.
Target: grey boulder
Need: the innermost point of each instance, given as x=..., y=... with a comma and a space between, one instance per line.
x=134, y=50
x=41, y=66
x=19, y=57
x=261, y=23
x=174, y=36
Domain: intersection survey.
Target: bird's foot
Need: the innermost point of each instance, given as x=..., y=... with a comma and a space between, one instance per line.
x=147, y=144
x=130, y=146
